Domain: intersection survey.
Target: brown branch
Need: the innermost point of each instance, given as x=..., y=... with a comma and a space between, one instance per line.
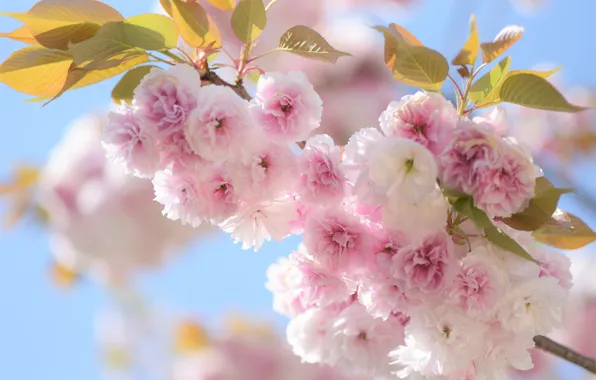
x=238, y=88
x=550, y=346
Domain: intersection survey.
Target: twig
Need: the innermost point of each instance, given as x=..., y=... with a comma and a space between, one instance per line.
x=550, y=346
x=461, y=95
x=238, y=88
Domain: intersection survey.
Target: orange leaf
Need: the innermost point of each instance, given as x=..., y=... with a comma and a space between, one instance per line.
x=503, y=41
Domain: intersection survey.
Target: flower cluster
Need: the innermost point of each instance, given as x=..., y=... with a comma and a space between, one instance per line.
x=390, y=277
x=102, y=221
x=250, y=353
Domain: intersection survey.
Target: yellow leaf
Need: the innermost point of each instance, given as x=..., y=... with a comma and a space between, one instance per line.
x=124, y=89
x=134, y=35
x=194, y=24
x=63, y=276
x=531, y=90
x=82, y=77
x=486, y=89
x=303, y=41
x=224, y=5
x=58, y=23
x=248, y=20
x=21, y=34
x=36, y=70
x=190, y=337
x=565, y=231
x=503, y=41
x=469, y=53
x=167, y=6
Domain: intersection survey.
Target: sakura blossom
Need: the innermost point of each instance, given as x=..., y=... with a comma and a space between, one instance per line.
x=392, y=277
x=286, y=106
x=103, y=223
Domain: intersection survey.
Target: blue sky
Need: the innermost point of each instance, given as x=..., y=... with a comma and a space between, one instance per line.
x=47, y=333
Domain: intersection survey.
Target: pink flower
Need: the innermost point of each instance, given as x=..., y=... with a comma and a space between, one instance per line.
x=321, y=179
x=285, y=300
x=497, y=118
x=166, y=98
x=426, y=118
x=175, y=149
x=256, y=222
x=480, y=284
x=384, y=245
x=336, y=240
x=473, y=151
x=554, y=264
x=286, y=106
x=216, y=125
x=262, y=170
x=361, y=343
x=383, y=297
x=426, y=266
x=507, y=185
x=217, y=196
x=127, y=141
x=314, y=286
x=177, y=189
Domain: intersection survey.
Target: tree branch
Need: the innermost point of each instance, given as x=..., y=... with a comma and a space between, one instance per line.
x=550, y=346
x=238, y=88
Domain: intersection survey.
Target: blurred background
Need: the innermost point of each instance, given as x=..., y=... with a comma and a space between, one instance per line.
x=71, y=308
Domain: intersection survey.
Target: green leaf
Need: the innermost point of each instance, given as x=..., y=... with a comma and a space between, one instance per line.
x=503, y=41
x=136, y=34
x=124, y=90
x=21, y=34
x=533, y=91
x=194, y=24
x=469, y=53
x=248, y=20
x=541, y=207
x=565, y=231
x=465, y=206
x=57, y=24
x=36, y=70
x=487, y=86
x=412, y=63
x=502, y=240
x=305, y=42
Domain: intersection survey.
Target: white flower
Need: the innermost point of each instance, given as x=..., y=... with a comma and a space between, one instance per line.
x=439, y=341
x=504, y=350
x=534, y=307
x=308, y=334
x=403, y=170
x=417, y=218
x=256, y=222
x=361, y=343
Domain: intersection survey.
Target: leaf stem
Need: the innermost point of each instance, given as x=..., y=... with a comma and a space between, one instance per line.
x=172, y=55
x=159, y=59
x=565, y=353
x=263, y=55
x=461, y=95
x=462, y=110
